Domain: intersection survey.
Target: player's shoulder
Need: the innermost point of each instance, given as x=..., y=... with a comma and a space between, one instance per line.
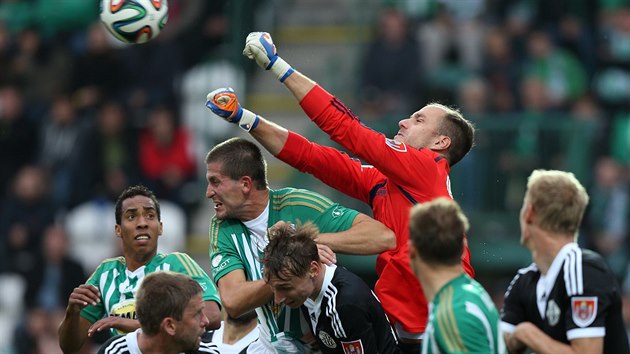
x=349, y=288
x=298, y=198
x=206, y=346
x=524, y=277
x=115, y=345
x=111, y=263
x=222, y=224
x=178, y=257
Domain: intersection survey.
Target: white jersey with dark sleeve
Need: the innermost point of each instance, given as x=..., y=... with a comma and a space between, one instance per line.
x=128, y=344
x=347, y=317
x=579, y=297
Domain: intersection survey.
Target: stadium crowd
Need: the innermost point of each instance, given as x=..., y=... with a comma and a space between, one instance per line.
x=82, y=117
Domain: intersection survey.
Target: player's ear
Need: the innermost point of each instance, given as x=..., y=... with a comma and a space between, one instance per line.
x=169, y=326
x=247, y=183
x=160, y=228
x=529, y=214
x=314, y=268
x=442, y=142
x=412, y=250
x=118, y=230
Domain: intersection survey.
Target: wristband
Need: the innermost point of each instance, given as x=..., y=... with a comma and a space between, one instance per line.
x=281, y=69
x=248, y=120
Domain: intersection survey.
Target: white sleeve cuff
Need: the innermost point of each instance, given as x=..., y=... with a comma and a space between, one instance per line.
x=586, y=332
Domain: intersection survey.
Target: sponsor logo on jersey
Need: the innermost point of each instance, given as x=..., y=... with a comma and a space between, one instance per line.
x=125, y=309
x=584, y=310
x=553, y=313
x=327, y=339
x=400, y=147
x=354, y=347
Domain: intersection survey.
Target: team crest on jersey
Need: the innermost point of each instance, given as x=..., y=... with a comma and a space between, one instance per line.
x=327, y=339
x=584, y=309
x=354, y=347
x=337, y=212
x=553, y=313
x=400, y=147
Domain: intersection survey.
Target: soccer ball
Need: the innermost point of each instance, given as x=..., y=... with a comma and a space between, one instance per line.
x=134, y=21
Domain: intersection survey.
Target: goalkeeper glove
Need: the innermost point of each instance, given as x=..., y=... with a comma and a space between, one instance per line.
x=224, y=103
x=259, y=46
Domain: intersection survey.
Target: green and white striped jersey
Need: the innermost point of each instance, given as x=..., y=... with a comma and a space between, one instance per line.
x=463, y=319
x=118, y=285
x=234, y=246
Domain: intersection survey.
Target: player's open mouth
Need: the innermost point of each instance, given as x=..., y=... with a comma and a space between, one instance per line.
x=217, y=205
x=142, y=237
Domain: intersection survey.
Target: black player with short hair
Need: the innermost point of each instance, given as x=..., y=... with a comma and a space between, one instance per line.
x=341, y=310
x=568, y=300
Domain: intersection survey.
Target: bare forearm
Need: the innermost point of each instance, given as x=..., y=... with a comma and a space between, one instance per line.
x=299, y=85
x=539, y=342
x=245, y=297
x=70, y=333
x=366, y=236
x=270, y=135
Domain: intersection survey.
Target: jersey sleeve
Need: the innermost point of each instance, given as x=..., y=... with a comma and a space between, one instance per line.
x=513, y=311
x=403, y=164
x=335, y=219
x=358, y=332
x=587, y=312
x=329, y=165
x=112, y=344
x=94, y=313
x=224, y=256
x=183, y=263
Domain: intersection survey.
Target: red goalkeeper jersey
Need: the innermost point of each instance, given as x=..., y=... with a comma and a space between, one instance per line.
x=399, y=177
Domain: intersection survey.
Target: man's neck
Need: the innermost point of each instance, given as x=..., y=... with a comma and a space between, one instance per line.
x=233, y=332
x=255, y=205
x=433, y=278
x=157, y=344
x=318, y=282
x=546, y=248
x=135, y=261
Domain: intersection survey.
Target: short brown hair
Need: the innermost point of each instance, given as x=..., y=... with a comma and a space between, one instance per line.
x=290, y=250
x=459, y=129
x=240, y=157
x=163, y=294
x=437, y=229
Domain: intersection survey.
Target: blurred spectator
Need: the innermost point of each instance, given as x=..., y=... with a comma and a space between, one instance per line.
x=390, y=73
x=5, y=53
x=151, y=72
x=26, y=213
x=59, y=136
x=612, y=82
x=18, y=145
x=97, y=73
x=561, y=73
x=41, y=68
x=451, y=45
x=501, y=69
x=166, y=156
x=107, y=152
x=48, y=286
x=607, y=218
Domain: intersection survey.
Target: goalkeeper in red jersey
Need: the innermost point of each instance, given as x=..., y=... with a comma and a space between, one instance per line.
x=410, y=168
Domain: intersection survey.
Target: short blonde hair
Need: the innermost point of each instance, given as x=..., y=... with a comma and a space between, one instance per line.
x=558, y=199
